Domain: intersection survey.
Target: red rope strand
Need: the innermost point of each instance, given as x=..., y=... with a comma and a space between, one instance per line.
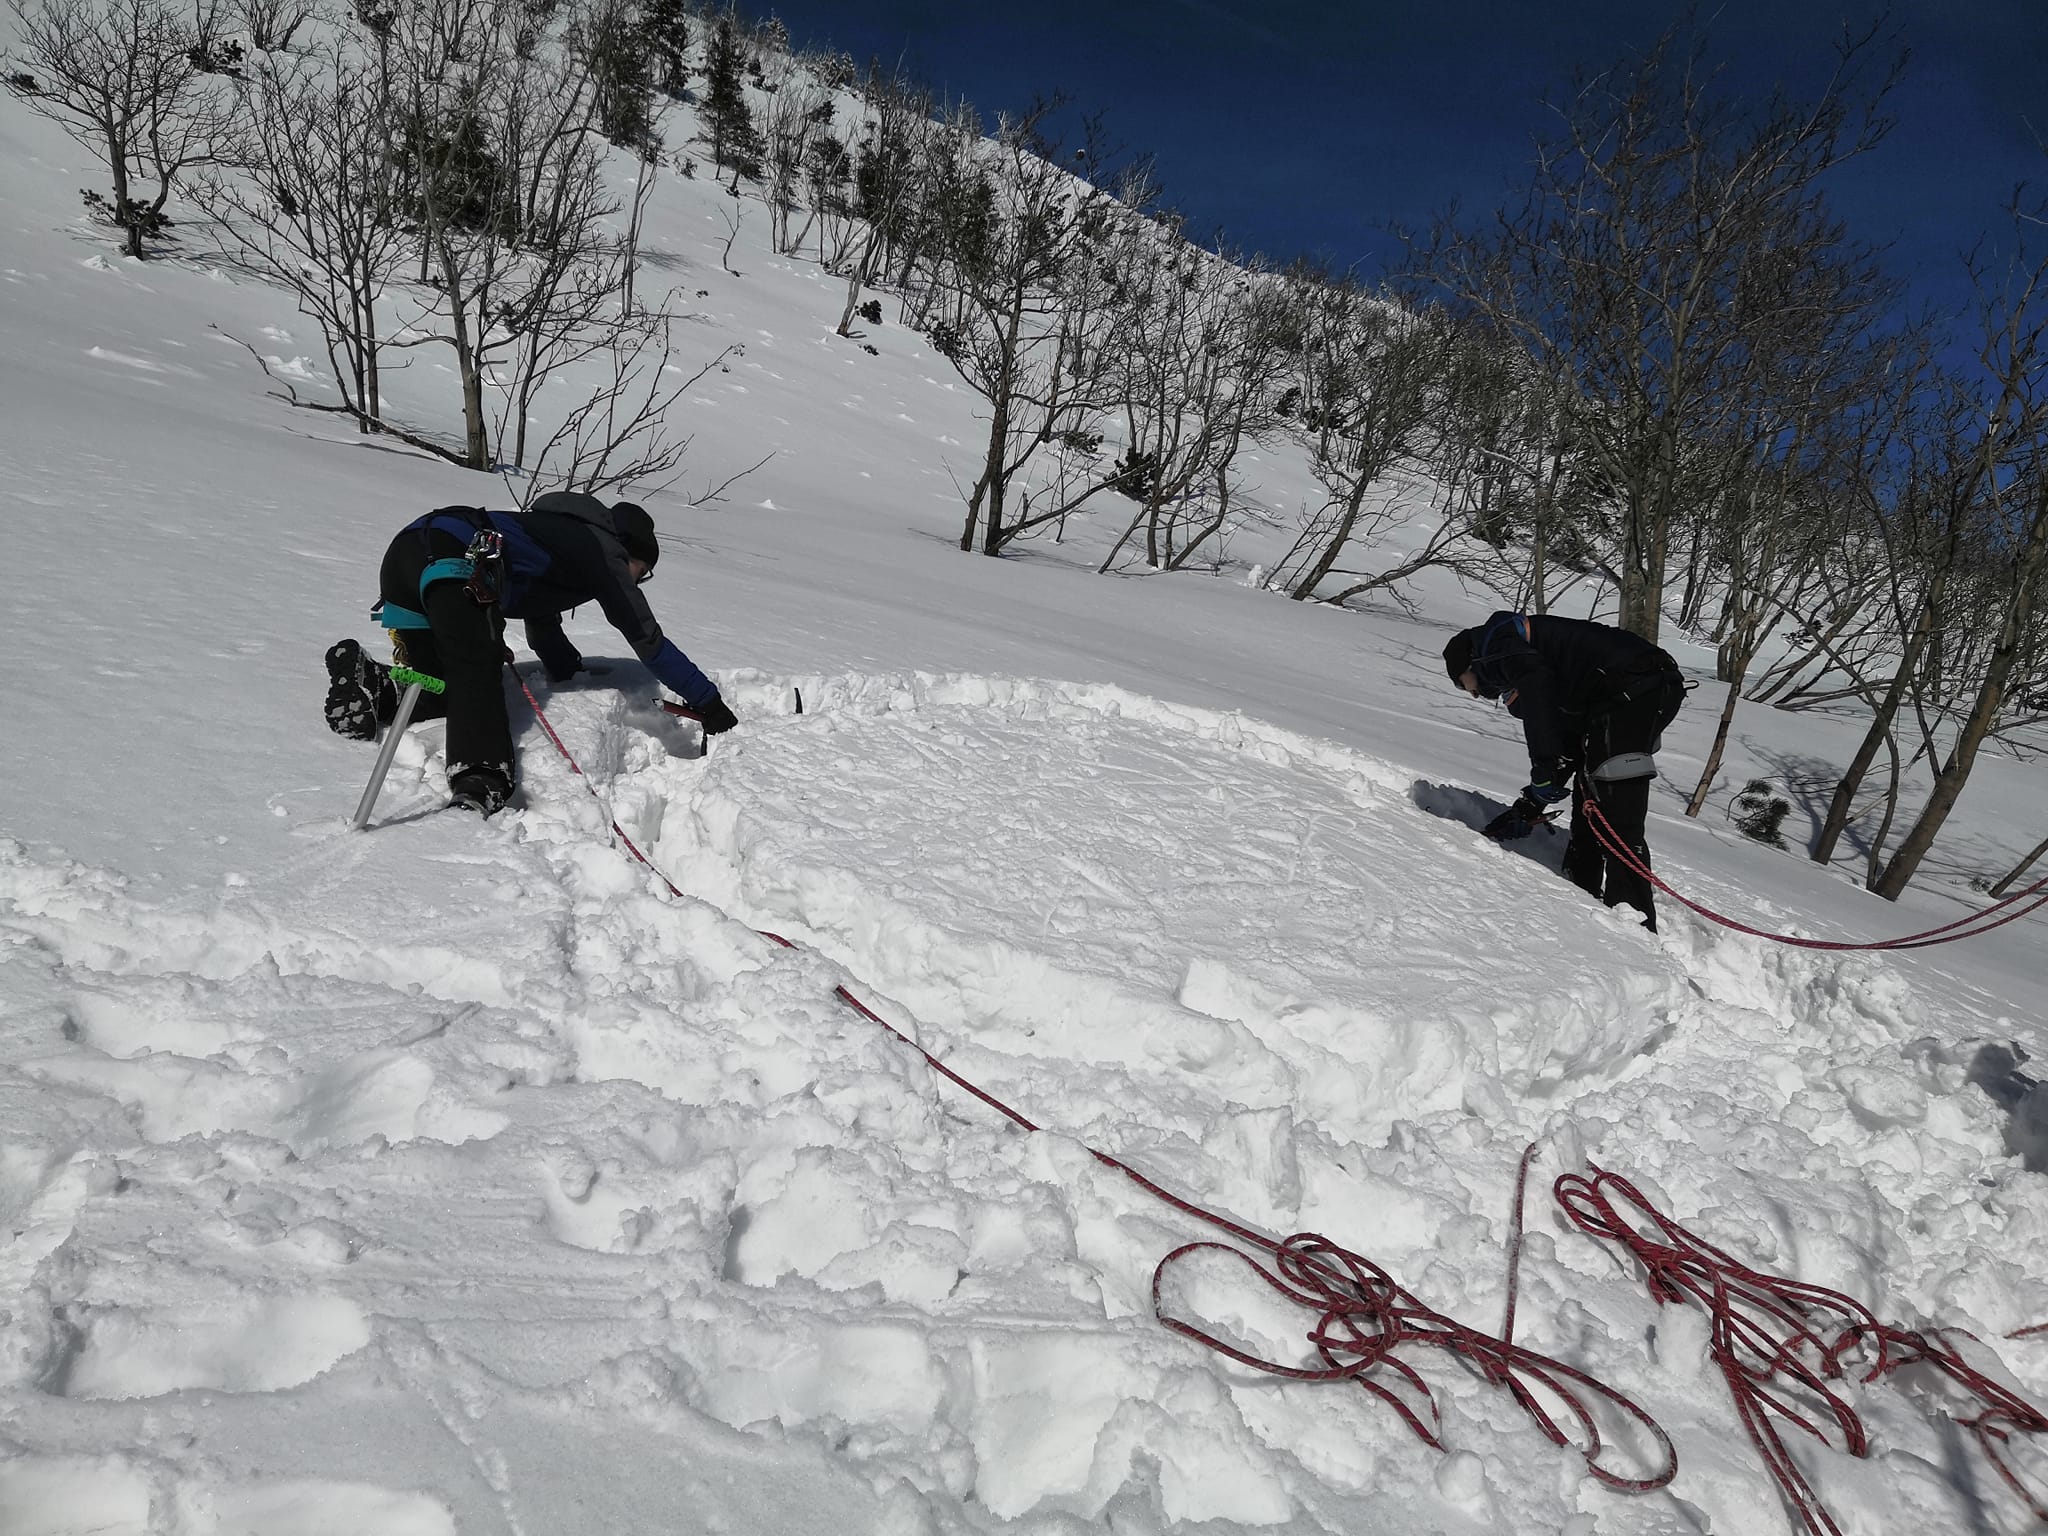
x=1781, y=1344
x=1363, y=1315
x=1970, y=926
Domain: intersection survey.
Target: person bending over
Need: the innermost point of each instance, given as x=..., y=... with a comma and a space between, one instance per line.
x=449, y=582
x=1593, y=701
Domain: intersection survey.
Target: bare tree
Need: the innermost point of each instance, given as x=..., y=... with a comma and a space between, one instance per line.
x=2013, y=538
x=1373, y=382
x=643, y=193
x=315, y=207
x=620, y=433
x=797, y=113
x=1775, y=533
x=1015, y=232
x=129, y=79
x=500, y=149
x=859, y=233
x=1925, y=532
x=272, y=25
x=1661, y=228
x=1200, y=361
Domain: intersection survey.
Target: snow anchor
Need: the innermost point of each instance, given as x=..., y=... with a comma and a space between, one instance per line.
x=414, y=683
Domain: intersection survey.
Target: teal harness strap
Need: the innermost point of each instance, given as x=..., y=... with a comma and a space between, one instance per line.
x=391, y=616
x=453, y=568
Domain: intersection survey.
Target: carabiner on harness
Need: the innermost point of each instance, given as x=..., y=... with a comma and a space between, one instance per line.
x=486, y=557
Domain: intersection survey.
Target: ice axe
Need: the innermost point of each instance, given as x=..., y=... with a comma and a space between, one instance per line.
x=415, y=683
x=683, y=712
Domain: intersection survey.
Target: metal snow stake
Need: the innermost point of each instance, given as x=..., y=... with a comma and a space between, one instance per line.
x=414, y=682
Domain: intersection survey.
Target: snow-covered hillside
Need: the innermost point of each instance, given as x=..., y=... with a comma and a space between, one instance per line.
x=455, y=1176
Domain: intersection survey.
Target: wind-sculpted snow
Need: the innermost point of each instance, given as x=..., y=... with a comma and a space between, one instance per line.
x=455, y=1177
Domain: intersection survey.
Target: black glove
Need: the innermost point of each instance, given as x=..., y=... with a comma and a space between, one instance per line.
x=1518, y=820
x=714, y=716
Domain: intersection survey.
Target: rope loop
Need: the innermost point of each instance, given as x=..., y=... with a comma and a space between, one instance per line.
x=1782, y=1345
x=1363, y=1316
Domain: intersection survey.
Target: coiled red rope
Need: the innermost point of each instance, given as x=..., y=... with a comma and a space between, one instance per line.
x=1781, y=1345
x=1968, y=927
x=1363, y=1315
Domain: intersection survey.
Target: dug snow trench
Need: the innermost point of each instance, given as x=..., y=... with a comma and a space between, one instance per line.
x=603, y=1214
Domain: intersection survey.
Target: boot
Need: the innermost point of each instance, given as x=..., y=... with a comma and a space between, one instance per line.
x=483, y=789
x=360, y=694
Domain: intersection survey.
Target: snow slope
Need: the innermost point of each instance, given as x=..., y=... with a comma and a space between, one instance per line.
x=457, y=1177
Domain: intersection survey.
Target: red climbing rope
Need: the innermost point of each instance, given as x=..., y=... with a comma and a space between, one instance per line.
x=1967, y=927
x=1507, y=1320
x=1363, y=1315
x=1781, y=1344
x=577, y=769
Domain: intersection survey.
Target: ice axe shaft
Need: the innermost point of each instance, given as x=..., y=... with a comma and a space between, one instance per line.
x=682, y=713
x=415, y=683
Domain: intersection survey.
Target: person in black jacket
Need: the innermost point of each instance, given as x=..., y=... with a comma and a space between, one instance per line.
x=451, y=579
x=1593, y=701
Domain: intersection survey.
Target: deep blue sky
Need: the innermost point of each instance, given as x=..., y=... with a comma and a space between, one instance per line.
x=1294, y=126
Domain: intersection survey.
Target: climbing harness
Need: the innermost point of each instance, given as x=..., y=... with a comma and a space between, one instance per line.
x=480, y=568
x=1623, y=766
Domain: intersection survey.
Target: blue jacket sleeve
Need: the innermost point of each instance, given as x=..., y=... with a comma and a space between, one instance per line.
x=681, y=676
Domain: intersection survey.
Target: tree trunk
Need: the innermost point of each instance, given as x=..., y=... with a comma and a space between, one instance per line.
x=1874, y=863
x=973, y=514
x=853, y=283
x=2013, y=874
x=995, y=473
x=1880, y=729
x=476, y=448
x=2005, y=655
x=373, y=395
x=523, y=399
x=117, y=162
x=1539, y=538
x=1714, y=753
x=1339, y=535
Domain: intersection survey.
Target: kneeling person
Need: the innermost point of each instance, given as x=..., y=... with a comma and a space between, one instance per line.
x=446, y=612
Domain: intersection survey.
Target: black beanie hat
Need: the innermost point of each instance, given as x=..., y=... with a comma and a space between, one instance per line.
x=1458, y=653
x=636, y=532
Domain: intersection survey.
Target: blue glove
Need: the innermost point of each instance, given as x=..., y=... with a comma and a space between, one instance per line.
x=1548, y=791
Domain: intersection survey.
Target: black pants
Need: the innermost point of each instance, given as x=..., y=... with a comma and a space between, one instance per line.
x=465, y=648
x=1632, y=722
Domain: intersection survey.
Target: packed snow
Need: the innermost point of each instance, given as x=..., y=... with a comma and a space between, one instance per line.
x=455, y=1176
